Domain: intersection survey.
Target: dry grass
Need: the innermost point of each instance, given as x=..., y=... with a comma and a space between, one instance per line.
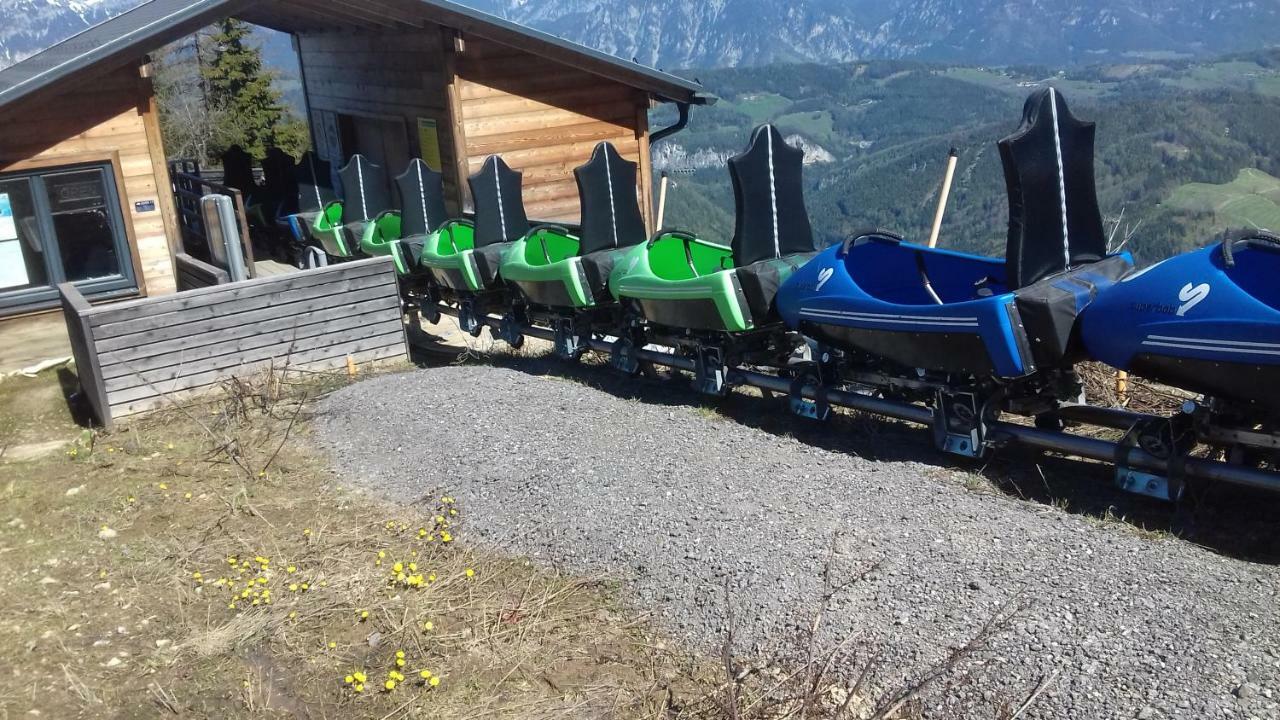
x=204, y=562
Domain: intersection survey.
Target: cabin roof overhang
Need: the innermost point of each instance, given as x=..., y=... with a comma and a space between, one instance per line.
x=155, y=23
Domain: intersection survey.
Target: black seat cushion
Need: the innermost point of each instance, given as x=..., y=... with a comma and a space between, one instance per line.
x=1050, y=307
x=598, y=266
x=760, y=282
x=487, y=260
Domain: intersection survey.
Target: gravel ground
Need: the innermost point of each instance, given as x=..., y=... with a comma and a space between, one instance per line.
x=638, y=480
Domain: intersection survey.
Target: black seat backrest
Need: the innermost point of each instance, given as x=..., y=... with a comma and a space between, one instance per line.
x=279, y=181
x=500, y=215
x=315, y=183
x=237, y=169
x=1054, y=221
x=610, y=211
x=771, y=220
x=421, y=200
x=365, y=193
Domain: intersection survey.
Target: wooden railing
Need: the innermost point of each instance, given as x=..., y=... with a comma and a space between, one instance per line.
x=194, y=273
x=189, y=186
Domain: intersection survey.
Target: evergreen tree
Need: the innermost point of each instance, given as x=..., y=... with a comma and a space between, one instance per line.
x=242, y=93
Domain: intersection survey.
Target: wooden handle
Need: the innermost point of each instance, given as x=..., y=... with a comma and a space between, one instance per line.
x=662, y=202
x=943, y=197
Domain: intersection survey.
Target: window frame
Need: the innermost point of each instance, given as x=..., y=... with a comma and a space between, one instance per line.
x=129, y=282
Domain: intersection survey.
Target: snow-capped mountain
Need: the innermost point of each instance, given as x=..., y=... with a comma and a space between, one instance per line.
x=29, y=26
x=720, y=33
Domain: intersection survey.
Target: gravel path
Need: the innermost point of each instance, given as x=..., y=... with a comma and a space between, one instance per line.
x=676, y=499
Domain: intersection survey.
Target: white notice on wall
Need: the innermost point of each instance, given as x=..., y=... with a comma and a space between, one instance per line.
x=13, y=267
x=8, y=229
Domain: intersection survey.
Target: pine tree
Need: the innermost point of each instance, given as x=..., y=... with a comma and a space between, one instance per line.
x=242, y=93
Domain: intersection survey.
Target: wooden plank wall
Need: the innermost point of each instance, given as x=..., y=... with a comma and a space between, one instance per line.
x=106, y=115
x=544, y=119
x=143, y=351
x=391, y=75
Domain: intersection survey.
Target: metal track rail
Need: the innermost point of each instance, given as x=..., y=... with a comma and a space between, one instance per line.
x=1058, y=442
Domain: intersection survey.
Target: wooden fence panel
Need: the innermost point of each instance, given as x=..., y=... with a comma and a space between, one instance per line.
x=132, y=356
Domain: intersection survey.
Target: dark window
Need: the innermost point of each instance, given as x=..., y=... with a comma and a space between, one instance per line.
x=59, y=225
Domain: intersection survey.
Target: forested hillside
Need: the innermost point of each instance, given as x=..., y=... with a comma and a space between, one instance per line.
x=1172, y=138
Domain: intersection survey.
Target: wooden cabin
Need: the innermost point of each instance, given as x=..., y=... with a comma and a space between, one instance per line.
x=85, y=190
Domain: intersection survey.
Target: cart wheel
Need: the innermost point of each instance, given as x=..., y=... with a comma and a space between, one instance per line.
x=430, y=313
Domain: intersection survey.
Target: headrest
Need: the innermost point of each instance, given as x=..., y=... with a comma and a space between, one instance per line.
x=364, y=190
x=1054, y=221
x=500, y=215
x=237, y=169
x=315, y=183
x=771, y=219
x=610, y=211
x=421, y=199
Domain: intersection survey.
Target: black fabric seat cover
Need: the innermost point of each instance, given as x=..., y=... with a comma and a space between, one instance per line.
x=488, y=259
x=280, y=182
x=760, y=282
x=366, y=193
x=421, y=191
x=771, y=220
x=237, y=170
x=500, y=216
x=611, y=216
x=315, y=183
x=598, y=266
x=1054, y=221
x=1049, y=309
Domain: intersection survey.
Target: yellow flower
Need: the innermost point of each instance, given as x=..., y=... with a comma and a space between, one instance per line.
x=435, y=680
x=164, y=486
x=307, y=586
x=349, y=679
x=306, y=531
x=471, y=573
x=293, y=587
x=431, y=577
x=359, y=687
x=428, y=626
x=291, y=569
x=359, y=676
x=381, y=554
x=332, y=645
x=133, y=499
x=424, y=674
x=293, y=614
x=169, y=446
x=364, y=615
x=422, y=532
x=391, y=685
x=196, y=576
x=413, y=567
x=397, y=568
x=187, y=496
x=445, y=537
x=231, y=606
x=399, y=662
x=400, y=654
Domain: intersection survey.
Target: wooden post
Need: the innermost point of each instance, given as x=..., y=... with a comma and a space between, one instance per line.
x=952, y=159
x=662, y=202
x=1122, y=386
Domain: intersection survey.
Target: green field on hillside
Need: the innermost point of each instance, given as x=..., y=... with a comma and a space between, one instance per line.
x=1252, y=200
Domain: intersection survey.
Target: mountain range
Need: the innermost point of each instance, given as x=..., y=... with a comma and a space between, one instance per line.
x=734, y=33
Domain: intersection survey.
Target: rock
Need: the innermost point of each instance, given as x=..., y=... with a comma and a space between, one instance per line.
x=46, y=580
x=114, y=662
x=1146, y=713
x=71, y=492
x=106, y=533
x=163, y=643
x=1246, y=691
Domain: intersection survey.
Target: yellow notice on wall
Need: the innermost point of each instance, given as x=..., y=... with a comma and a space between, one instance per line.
x=429, y=143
